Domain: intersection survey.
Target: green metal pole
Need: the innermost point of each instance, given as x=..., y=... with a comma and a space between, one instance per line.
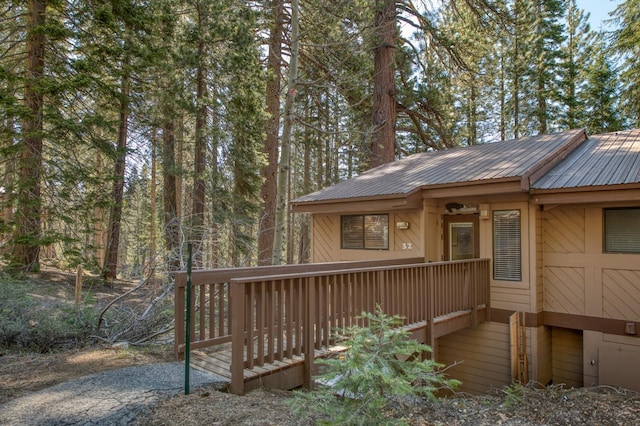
x=187, y=351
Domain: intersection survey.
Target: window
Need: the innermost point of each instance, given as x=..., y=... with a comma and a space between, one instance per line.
x=622, y=230
x=365, y=232
x=507, y=263
x=461, y=242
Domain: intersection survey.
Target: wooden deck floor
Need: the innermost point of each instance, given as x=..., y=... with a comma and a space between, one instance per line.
x=217, y=360
x=219, y=363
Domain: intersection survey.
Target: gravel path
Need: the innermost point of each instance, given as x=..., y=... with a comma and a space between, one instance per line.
x=113, y=397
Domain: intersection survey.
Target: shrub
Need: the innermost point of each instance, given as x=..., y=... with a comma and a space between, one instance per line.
x=28, y=323
x=382, y=365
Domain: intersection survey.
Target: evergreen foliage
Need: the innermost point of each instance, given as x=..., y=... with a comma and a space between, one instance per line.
x=95, y=89
x=381, y=366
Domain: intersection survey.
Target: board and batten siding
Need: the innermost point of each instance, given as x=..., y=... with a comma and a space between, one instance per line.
x=580, y=279
x=403, y=243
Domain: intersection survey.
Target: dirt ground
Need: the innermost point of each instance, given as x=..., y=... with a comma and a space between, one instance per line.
x=555, y=406
x=24, y=372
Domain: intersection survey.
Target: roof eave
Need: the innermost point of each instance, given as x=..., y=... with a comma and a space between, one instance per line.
x=388, y=202
x=587, y=194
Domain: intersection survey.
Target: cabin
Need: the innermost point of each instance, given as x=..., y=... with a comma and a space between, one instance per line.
x=558, y=218
x=515, y=260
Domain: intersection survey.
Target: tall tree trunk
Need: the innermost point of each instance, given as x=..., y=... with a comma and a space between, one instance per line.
x=153, y=194
x=283, y=170
x=27, y=233
x=503, y=94
x=304, y=252
x=153, y=237
x=115, y=217
x=541, y=89
x=270, y=170
x=99, y=235
x=384, y=104
x=170, y=195
x=197, y=214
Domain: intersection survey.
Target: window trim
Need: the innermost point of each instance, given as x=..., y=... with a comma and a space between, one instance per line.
x=606, y=249
x=510, y=247
x=363, y=225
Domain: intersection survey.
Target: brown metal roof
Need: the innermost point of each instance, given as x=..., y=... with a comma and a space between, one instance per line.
x=507, y=160
x=605, y=159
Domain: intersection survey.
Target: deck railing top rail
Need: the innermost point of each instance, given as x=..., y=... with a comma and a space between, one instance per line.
x=354, y=270
x=211, y=276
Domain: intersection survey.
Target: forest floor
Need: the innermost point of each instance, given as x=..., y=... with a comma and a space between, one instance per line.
x=24, y=372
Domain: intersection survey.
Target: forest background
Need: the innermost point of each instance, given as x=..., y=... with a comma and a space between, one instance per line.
x=131, y=128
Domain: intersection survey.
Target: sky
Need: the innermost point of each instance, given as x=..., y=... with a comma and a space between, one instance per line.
x=599, y=10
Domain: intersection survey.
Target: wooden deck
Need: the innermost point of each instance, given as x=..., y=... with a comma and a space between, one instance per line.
x=265, y=321
x=287, y=373
x=272, y=375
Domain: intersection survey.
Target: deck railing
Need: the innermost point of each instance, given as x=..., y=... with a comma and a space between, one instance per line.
x=210, y=295
x=293, y=310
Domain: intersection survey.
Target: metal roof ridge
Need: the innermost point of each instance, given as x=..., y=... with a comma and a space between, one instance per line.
x=551, y=160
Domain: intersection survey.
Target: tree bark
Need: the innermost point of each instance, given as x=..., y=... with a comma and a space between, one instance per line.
x=170, y=195
x=283, y=170
x=109, y=271
x=197, y=214
x=270, y=170
x=26, y=248
x=384, y=104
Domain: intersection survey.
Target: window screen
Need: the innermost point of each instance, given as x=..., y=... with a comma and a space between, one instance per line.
x=622, y=230
x=365, y=232
x=507, y=263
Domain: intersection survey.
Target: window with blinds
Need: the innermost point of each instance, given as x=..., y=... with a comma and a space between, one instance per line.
x=507, y=259
x=370, y=232
x=622, y=230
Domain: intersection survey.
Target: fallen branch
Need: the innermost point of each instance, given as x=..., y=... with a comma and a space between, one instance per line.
x=106, y=308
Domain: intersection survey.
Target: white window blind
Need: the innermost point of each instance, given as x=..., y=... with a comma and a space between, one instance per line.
x=622, y=230
x=507, y=259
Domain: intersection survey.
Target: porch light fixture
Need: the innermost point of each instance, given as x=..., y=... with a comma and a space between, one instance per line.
x=484, y=211
x=402, y=225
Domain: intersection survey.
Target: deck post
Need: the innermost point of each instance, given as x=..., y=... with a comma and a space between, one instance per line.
x=430, y=302
x=470, y=282
x=309, y=332
x=487, y=288
x=237, y=312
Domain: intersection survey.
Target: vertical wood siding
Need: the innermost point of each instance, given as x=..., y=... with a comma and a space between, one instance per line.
x=483, y=356
x=567, y=357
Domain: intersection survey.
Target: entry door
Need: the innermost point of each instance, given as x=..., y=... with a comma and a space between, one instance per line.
x=461, y=237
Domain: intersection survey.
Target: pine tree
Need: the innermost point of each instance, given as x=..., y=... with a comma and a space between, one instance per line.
x=270, y=150
x=26, y=237
x=575, y=49
x=626, y=41
x=547, y=36
x=383, y=144
x=246, y=120
x=600, y=94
